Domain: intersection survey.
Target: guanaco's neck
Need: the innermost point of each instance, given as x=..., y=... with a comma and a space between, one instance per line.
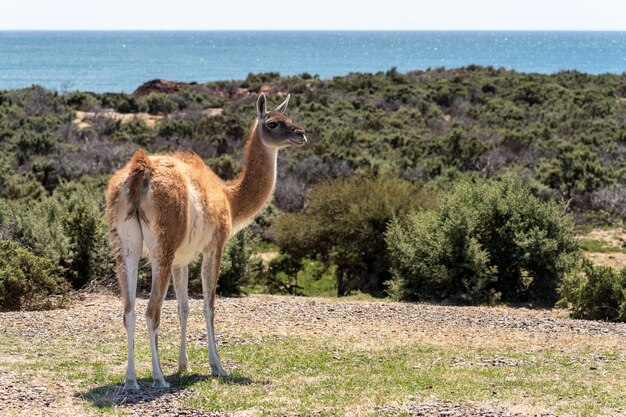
x=251, y=190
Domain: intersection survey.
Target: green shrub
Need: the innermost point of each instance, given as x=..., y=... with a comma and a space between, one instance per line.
x=81, y=101
x=253, y=82
x=574, y=171
x=31, y=143
x=225, y=166
x=18, y=187
x=288, y=275
x=122, y=103
x=595, y=293
x=238, y=269
x=176, y=129
x=487, y=241
x=37, y=226
x=27, y=281
x=85, y=226
x=68, y=228
x=136, y=131
x=159, y=103
x=282, y=276
x=344, y=224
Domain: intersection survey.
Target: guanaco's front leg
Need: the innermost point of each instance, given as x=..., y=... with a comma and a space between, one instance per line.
x=210, y=273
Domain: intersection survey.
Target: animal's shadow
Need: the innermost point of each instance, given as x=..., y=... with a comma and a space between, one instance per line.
x=109, y=395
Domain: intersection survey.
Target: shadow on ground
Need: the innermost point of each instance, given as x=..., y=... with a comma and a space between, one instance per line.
x=110, y=395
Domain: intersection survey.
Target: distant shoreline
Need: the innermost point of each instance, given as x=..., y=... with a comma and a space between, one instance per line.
x=195, y=85
x=120, y=61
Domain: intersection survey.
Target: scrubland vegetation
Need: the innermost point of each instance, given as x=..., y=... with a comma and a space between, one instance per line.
x=463, y=186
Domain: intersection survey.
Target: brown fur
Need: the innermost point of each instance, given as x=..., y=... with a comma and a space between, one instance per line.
x=249, y=183
x=162, y=180
x=138, y=179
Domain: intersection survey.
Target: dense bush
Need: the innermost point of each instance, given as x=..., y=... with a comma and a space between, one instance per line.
x=85, y=226
x=487, y=241
x=238, y=268
x=27, y=281
x=81, y=101
x=595, y=293
x=563, y=134
x=344, y=223
x=67, y=228
x=159, y=103
x=281, y=276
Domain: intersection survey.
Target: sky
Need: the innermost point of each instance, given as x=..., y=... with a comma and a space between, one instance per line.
x=313, y=15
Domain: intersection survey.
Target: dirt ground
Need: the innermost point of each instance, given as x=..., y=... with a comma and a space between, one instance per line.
x=83, y=119
x=96, y=318
x=615, y=238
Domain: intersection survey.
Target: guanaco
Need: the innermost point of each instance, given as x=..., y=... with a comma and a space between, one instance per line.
x=173, y=207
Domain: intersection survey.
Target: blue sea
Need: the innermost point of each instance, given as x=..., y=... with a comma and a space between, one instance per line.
x=121, y=61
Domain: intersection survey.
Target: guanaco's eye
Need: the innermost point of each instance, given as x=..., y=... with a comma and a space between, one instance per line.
x=272, y=125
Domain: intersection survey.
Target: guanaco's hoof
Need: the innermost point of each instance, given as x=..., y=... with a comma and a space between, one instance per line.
x=183, y=367
x=160, y=384
x=131, y=386
x=219, y=372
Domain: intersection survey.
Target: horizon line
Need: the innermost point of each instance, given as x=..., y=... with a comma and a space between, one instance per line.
x=309, y=30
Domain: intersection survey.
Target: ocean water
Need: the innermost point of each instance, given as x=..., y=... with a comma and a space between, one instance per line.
x=121, y=61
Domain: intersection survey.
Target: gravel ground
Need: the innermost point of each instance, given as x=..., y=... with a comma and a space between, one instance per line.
x=98, y=320
x=442, y=409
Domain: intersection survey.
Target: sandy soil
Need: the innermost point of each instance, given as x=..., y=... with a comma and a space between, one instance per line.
x=83, y=119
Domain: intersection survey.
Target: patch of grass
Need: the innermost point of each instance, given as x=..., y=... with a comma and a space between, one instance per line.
x=600, y=246
x=317, y=280
x=265, y=246
x=308, y=376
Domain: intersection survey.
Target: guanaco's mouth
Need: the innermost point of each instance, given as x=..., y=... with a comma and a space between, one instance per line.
x=298, y=141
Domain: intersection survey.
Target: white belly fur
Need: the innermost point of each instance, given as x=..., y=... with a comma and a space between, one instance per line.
x=198, y=232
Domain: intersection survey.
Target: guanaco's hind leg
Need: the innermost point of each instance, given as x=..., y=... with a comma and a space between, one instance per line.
x=161, y=271
x=180, y=276
x=210, y=273
x=129, y=241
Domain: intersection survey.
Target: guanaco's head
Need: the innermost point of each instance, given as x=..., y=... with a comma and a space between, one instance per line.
x=274, y=128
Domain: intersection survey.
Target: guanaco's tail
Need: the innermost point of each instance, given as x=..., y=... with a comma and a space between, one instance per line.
x=138, y=181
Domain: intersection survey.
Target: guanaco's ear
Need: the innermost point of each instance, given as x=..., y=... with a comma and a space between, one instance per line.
x=261, y=107
x=282, y=107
